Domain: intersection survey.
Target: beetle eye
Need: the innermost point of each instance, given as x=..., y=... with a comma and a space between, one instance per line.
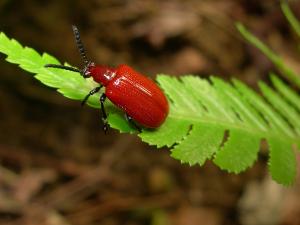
x=86, y=74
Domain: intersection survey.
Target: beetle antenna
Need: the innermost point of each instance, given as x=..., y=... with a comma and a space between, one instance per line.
x=79, y=44
x=63, y=67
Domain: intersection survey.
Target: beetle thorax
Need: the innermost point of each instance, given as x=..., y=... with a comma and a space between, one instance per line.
x=102, y=74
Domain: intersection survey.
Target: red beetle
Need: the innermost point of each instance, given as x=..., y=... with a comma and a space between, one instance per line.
x=140, y=98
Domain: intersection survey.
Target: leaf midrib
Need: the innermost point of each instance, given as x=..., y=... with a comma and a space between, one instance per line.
x=228, y=125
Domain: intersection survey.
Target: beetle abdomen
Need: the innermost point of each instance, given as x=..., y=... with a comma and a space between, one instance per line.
x=138, y=96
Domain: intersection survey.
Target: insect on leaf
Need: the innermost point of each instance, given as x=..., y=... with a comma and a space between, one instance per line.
x=208, y=119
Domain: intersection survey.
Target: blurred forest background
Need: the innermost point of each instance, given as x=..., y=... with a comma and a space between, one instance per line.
x=56, y=165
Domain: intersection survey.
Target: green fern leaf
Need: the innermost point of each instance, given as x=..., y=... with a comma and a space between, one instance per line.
x=278, y=62
x=68, y=83
x=213, y=109
x=208, y=119
x=290, y=16
x=288, y=94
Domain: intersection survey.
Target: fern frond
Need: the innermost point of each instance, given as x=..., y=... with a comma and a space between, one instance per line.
x=202, y=113
x=278, y=62
x=213, y=109
x=290, y=16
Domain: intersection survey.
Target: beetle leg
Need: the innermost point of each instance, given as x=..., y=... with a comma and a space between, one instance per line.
x=104, y=115
x=93, y=91
x=131, y=121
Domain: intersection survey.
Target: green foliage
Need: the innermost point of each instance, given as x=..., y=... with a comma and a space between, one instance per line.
x=201, y=112
x=277, y=60
x=209, y=119
x=68, y=83
x=290, y=16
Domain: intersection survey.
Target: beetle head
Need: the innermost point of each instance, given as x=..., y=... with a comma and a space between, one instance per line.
x=101, y=74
